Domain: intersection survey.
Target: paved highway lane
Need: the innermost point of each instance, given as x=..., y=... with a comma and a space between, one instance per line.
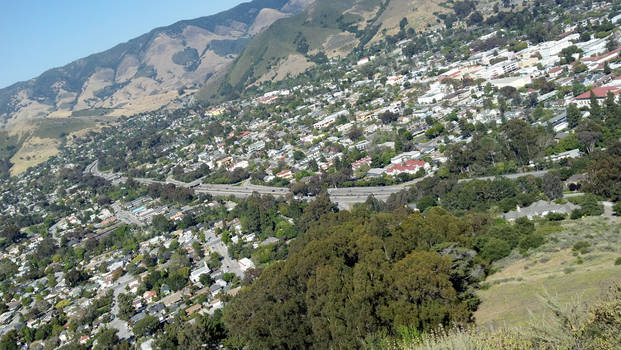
x=344, y=197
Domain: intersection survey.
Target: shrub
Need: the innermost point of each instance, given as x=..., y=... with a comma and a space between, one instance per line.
x=617, y=208
x=532, y=240
x=618, y=261
x=556, y=216
x=495, y=249
x=581, y=247
x=575, y=214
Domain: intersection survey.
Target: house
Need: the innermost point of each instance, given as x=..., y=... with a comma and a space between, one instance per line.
x=601, y=92
x=325, y=122
x=137, y=317
x=359, y=163
x=400, y=158
x=172, y=299
x=574, y=153
x=540, y=208
x=375, y=172
x=257, y=146
x=408, y=167
x=516, y=82
x=555, y=72
x=195, y=275
x=285, y=174
x=148, y=296
x=362, y=145
x=245, y=264
x=192, y=309
x=215, y=112
x=363, y=61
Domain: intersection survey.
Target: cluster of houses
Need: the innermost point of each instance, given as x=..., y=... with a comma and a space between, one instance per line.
x=279, y=136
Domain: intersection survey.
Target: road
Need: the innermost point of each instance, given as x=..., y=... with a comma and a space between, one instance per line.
x=121, y=326
x=243, y=191
x=539, y=173
x=215, y=244
x=125, y=216
x=343, y=197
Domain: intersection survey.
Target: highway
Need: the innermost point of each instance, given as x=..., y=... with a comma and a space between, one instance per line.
x=343, y=197
x=242, y=191
x=539, y=173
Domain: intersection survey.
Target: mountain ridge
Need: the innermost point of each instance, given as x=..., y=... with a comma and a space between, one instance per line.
x=104, y=79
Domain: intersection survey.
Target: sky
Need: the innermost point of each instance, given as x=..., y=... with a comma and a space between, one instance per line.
x=36, y=35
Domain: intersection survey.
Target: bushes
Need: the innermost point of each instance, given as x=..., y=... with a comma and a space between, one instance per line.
x=595, y=326
x=495, y=249
x=589, y=206
x=533, y=240
x=617, y=208
x=426, y=202
x=581, y=247
x=146, y=326
x=556, y=216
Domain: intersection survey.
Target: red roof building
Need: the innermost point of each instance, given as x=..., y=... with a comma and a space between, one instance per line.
x=600, y=93
x=364, y=161
x=409, y=167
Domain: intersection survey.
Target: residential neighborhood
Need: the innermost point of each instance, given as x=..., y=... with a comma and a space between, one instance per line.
x=166, y=216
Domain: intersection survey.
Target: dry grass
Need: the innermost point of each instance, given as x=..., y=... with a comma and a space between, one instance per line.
x=419, y=13
x=34, y=151
x=553, y=268
x=574, y=325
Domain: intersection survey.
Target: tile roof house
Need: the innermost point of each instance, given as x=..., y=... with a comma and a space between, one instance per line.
x=599, y=92
x=408, y=167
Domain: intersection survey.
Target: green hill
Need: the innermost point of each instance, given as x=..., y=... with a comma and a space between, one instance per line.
x=306, y=33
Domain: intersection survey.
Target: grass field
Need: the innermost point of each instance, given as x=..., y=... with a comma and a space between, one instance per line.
x=515, y=291
x=56, y=128
x=46, y=137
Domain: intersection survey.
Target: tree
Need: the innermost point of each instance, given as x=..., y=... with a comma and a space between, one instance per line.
x=206, y=280
x=320, y=206
x=573, y=115
x=426, y=202
x=146, y=326
x=107, y=339
x=604, y=172
x=160, y=223
x=9, y=341
x=74, y=277
x=617, y=208
x=11, y=234
x=552, y=186
x=403, y=23
x=423, y=294
x=126, y=307
x=589, y=133
x=355, y=133
x=351, y=276
x=204, y=333
x=595, y=108
x=7, y=269
x=388, y=117
x=612, y=43
x=475, y=18
x=495, y=249
x=198, y=249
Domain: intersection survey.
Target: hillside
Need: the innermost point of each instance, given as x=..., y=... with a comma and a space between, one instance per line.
x=559, y=268
x=142, y=74
x=292, y=45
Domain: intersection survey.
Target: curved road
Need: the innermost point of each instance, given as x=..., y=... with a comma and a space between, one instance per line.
x=344, y=197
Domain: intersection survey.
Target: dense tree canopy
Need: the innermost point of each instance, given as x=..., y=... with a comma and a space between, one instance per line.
x=353, y=275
